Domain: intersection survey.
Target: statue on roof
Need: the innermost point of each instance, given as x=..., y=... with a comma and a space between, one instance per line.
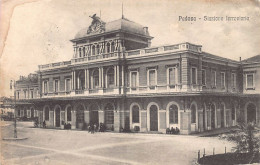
x=97, y=25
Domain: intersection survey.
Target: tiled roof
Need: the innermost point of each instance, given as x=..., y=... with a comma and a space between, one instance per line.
x=252, y=59
x=120, y=24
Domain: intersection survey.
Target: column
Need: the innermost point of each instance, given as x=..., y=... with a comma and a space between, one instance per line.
x=102, y=77
x=117, y=67
x=99, y=72
x=87, y=82
x=184, y=73
x=74, y=81
x=85, y=78
x=123, y=79
x=78, y=83
x=115, y=75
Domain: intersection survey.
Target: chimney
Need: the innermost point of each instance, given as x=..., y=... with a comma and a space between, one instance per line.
x=145, y=30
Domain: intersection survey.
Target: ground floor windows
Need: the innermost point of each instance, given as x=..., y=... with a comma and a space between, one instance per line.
x=213, y=119
x=57, y=117
x=193, y=114
x=153, y=118
x=109, y=114
x=251, y=112
x=135, y=114
x=79, y=116
x=94, y=117
x=68, y=113
x=173, y=114
x=46, y=113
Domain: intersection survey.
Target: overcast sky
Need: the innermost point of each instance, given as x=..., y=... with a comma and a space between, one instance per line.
x=39, y=32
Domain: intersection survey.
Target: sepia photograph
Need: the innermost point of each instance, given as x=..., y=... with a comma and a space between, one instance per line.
x=151, y=82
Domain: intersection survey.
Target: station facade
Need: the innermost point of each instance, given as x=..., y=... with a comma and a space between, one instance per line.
x=115, y=77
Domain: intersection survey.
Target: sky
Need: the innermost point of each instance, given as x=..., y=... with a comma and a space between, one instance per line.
x=40, y=32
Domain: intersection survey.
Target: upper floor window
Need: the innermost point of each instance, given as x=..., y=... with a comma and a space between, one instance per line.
x=93, y=50
x=96, y=79
x=172, y=76
x=214, y=78
x=45, y=86
x=32, y=94
x=56, y=86
x=84, y=51
x=112, y=47
x=222, y=79
x=133, y=79
x=80, y=52
x=18, y=95
x=110, y=77
x=193, y=75
x=203, y=72
x=97, y=48
x=152, y=80
x=25, y=93
x=173, y=114
x=135, y=114
x=233, y=80
x=67, y=85
x=250, y=84
x=108, y=48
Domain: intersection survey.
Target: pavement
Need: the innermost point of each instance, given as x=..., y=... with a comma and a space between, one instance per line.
x=58, y=147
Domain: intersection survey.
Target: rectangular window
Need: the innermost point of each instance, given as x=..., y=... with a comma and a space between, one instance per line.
x=68, y=85
x=133, y=79
x=45, y=86
x=152, y=78
x=203, y=76
x=56, y=85
x=250, y=80
x=233, y=80
x=32, y=94
x=172, y=76
x=222, y=79
x=214, y=78
x=193, y=75
x=18, y=95
x=25, y=93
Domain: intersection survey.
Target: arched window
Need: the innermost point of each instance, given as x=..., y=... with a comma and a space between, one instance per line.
x=84, y=51
x=112, y=47
x=173, y=114
x=46, y=113
x=69, y=113
x=109, y=114
x=97, y=48
x=93, y=50
x=135, y=114
x=108, y=48
x=233, y=112
x=96, y=79
x=193, y=114
x=79, y=52
x=110, y=77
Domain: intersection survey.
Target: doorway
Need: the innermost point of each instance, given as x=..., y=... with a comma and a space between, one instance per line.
x=153, y=118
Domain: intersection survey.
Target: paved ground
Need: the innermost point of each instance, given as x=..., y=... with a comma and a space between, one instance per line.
x=58, y=147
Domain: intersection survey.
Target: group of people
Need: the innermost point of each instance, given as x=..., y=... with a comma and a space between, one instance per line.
x=94, y=127
x=172, y=130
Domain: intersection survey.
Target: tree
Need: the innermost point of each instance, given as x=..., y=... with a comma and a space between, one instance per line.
x=246, y=138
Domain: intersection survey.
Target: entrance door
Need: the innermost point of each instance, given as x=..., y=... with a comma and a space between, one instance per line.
x=57, y=117
x=94, y=117
x=153, y=118
x=32, y=113
x=251, y=113
x=222, y=116
x=212, y=116
x=204, y=118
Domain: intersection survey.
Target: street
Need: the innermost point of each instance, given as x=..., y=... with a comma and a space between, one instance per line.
x=58, y=147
